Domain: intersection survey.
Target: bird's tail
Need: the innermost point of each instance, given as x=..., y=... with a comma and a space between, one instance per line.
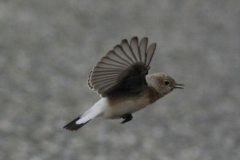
x=73, y=125
x=90, y=114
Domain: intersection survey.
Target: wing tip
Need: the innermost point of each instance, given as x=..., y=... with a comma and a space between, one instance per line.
x=135, y=38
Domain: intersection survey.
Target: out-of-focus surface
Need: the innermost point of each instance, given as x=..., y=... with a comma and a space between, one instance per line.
x=48, y=48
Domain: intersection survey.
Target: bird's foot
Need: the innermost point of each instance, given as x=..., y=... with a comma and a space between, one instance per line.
x=127, y=117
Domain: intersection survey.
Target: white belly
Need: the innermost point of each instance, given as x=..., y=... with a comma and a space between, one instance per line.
x=127, y=106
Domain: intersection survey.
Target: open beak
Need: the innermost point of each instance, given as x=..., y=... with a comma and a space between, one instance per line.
x=179, y=86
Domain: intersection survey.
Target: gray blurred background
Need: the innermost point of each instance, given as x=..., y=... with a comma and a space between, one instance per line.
x=48, y=48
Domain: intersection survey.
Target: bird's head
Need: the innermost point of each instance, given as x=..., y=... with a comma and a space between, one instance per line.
x=162, y=83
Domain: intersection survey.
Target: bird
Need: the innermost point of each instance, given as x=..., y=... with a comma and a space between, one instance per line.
x=122, y=80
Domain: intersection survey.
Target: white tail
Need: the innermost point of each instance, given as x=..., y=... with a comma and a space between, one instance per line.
x=96, y=110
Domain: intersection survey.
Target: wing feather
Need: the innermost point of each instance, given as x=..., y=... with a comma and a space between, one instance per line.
x=104, y=82
x=106, y=65
x=135, y=49
x=107, y=69
x=103, y=79
x=150, y=53
x=128, y=50
x=143, y=49
x=114, y=55
x=108, y=60
x=104, y=88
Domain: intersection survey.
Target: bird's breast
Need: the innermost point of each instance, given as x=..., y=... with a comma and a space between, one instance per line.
x=123, y=106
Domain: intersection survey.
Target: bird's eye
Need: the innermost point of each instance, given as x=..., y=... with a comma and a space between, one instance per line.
x=166, y=82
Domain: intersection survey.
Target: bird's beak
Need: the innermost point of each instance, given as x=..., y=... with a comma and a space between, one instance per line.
x=179, y=86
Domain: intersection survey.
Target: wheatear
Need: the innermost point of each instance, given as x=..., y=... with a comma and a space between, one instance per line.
x=122, y=80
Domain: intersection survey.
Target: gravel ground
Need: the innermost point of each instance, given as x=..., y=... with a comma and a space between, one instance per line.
x=48, y=48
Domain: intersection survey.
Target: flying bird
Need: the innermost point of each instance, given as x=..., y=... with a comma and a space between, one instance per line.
x=122, y=80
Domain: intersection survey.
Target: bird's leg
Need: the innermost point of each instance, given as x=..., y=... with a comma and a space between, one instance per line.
x=127, y=117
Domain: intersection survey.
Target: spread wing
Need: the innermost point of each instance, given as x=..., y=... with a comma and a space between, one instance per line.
x=123, y=68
